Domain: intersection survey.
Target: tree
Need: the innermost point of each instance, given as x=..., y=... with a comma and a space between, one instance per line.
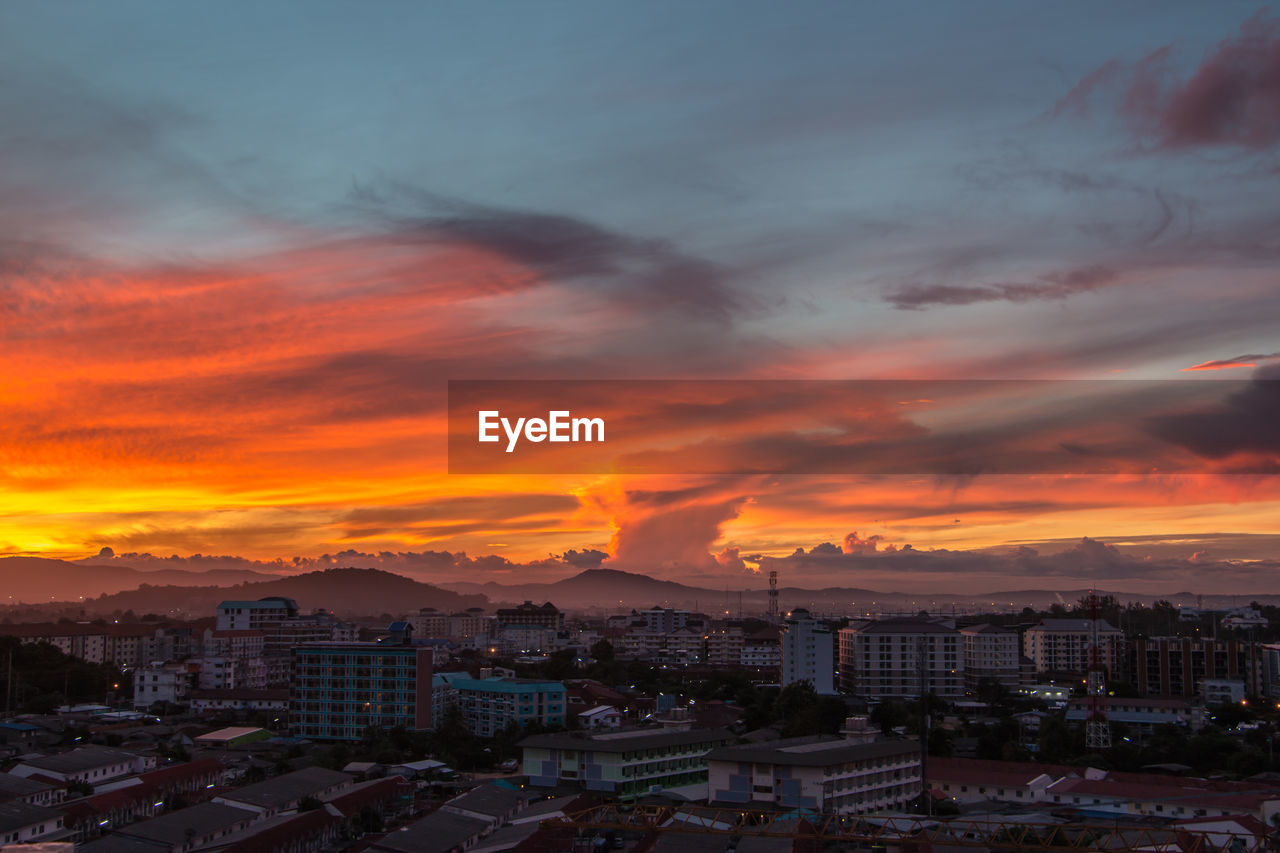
x=602, y=651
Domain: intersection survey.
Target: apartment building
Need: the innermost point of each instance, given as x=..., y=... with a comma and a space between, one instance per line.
x=808, y=653
x=724, y=646
x=827, y=774
x=545, y=615
x=1179, y=666
x=883, y=659
x=338, y=690
x=254, y=615
x=991, y=652
x=664, y=619
x=1062, y=645
x=489, y=705
x=624, y=764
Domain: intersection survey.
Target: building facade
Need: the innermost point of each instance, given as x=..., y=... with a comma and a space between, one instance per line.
x=1062, y=645
x=883, y=659
x=338, y=690
x=625, y=764
x=828, y=775
x=808, y=652
x=991, y=653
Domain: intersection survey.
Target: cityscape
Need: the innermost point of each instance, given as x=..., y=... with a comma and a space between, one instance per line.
x=678, y=426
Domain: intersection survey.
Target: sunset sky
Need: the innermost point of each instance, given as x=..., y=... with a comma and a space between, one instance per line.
x=244, y=247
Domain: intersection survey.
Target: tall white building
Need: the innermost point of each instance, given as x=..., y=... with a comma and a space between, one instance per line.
x=1062, y=645
x=991, y=652
x=882, y=659
x=807, y=652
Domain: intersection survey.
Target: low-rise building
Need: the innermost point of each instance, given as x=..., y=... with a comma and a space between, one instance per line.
x=24, y=823
x=826, y=774
x=1144, y=714
x=624, y=764
x=91, y=764
x=284, y=793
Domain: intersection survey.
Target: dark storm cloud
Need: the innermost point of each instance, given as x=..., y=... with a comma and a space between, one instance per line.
x=1247, y=422
x=650, y=274
x=1232, y=98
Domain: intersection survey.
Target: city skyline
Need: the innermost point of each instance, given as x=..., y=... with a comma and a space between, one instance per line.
x=243, y=255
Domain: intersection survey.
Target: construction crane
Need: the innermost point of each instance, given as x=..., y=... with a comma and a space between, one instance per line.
x=773, y=596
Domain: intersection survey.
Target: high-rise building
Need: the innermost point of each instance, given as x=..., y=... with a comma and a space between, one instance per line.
x=807, y=652
x=1062, y=645
x=883, y=659
x=991, y=652
x=338, y=690
x=1178, y=666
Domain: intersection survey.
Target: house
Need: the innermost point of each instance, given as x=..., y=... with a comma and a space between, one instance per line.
x=600, y=717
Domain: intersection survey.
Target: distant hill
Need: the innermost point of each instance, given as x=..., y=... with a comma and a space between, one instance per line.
x=613, y=589
x=594, y=588
x=346, y=592
x=37, y=580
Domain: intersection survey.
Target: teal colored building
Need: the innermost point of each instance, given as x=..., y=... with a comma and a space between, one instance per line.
x=339, y=690
x=489, y=705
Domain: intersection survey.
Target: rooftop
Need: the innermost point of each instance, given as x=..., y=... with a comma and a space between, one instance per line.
x=627, y=740
x=79, y=760
x=817, y=751
x=439, y=831
x=283, y=791
x=490, y=800
x=176, y=828
x=17, y=815
x=905, y=626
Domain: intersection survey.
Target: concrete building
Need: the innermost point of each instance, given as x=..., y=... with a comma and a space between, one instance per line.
x=827, y=774
x=1176, y=667
x=489, y=705
x=545, y=615
x=624, y=764
x=991, y=652
x=339, y=690
x=761, y=650
x=664, y=619
x=882, y=659
x=808, y=653
x=1143, y=714
x=254, y=615
x=24, y=823
x=1222, y=691
x=167, y=683
x=92, y=764
x=724, y=646
x=1062, y=645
